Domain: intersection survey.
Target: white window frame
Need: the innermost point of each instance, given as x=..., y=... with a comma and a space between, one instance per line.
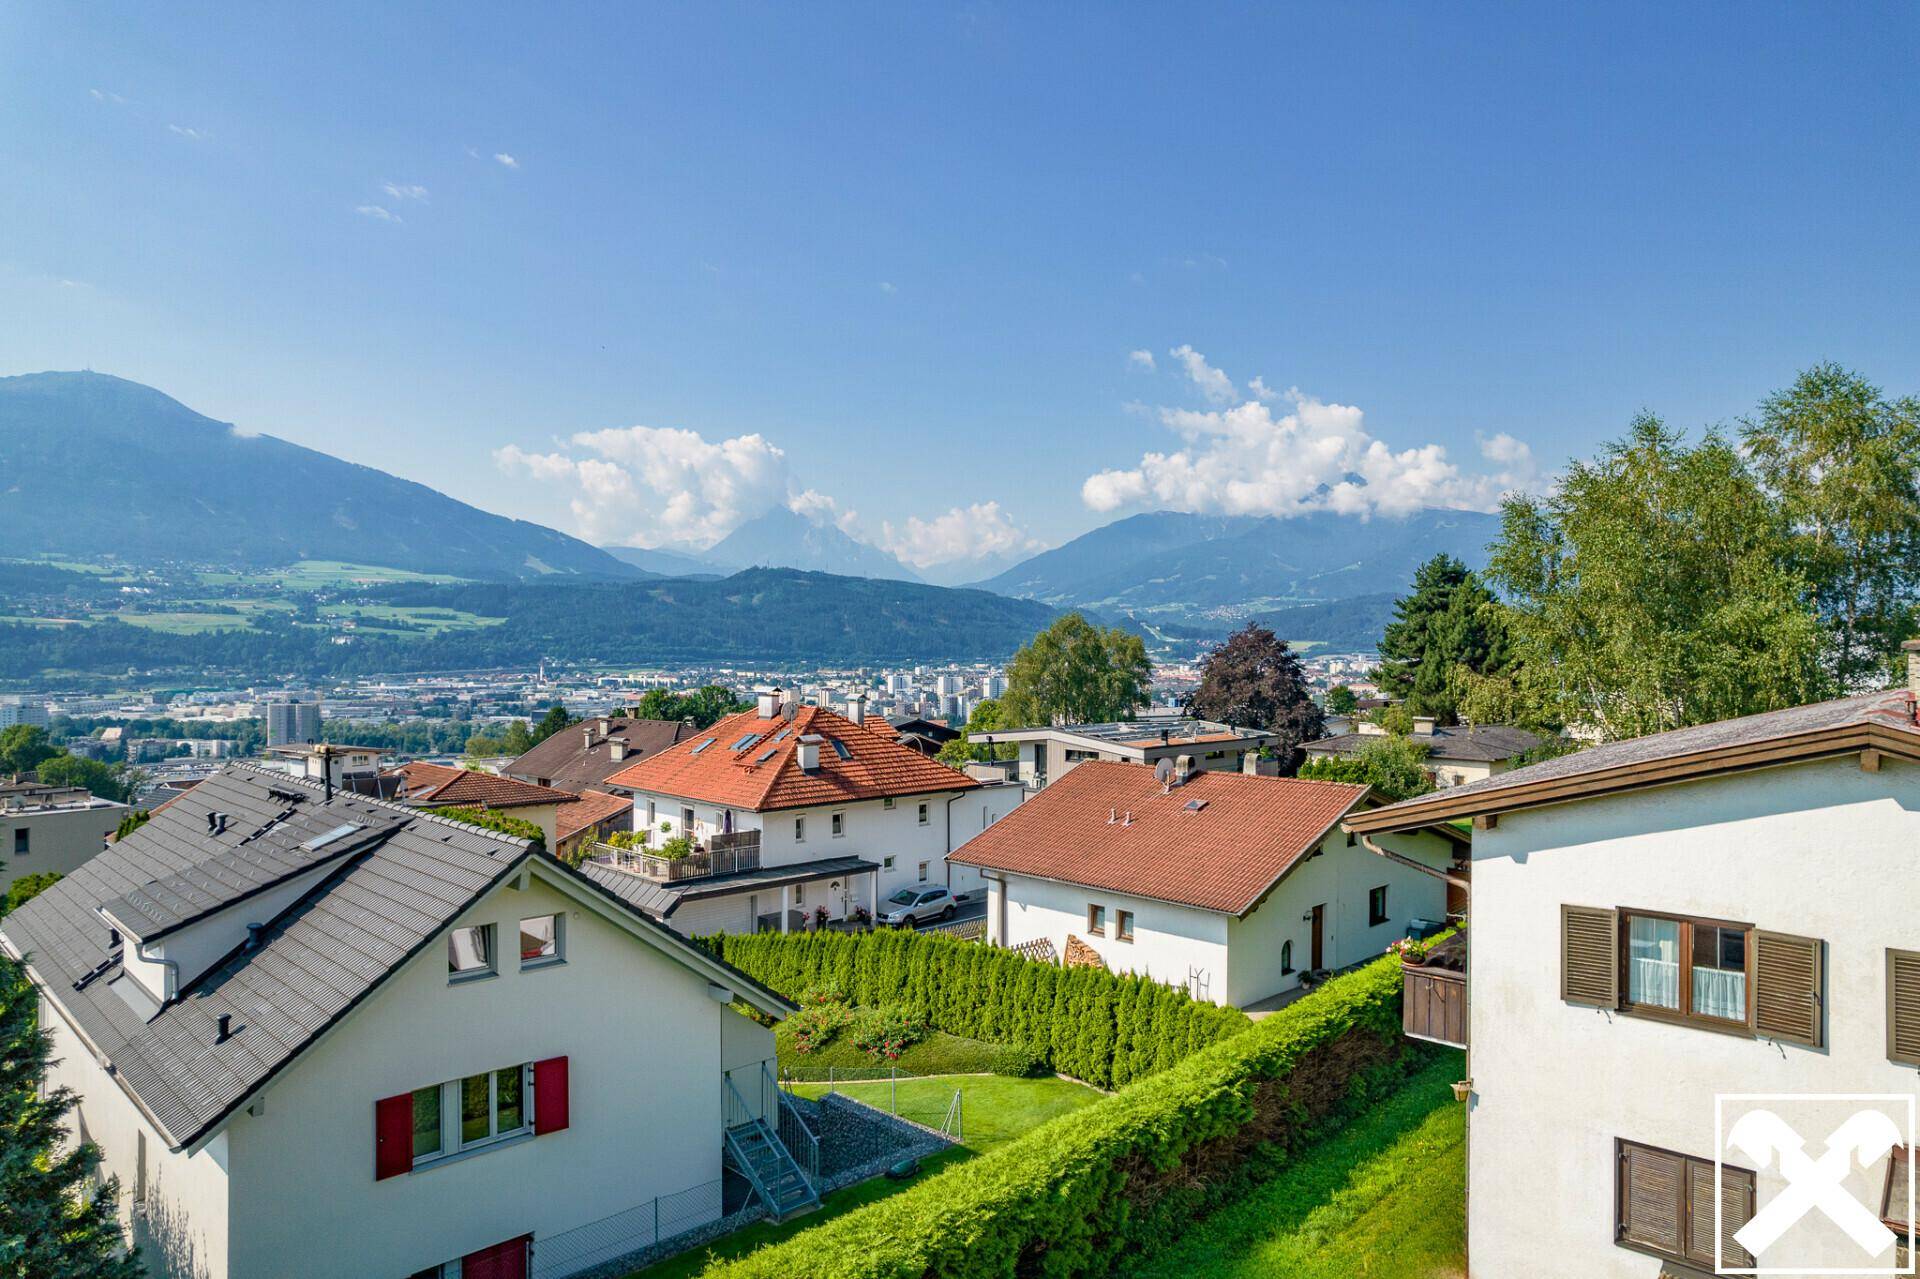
x=887, y=803
x=452, y=1144
x=924, y=877
x=799, y=830
x=925, y=814
x=837, y=825
x=886, y=863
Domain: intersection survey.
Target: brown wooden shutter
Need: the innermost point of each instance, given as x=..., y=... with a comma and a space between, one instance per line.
x=1736, y=1209
x=1786, y=988
x=1589, y=956
x=1652, y=1186
x=1903, y=1007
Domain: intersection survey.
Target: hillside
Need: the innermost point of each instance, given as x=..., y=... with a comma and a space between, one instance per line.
x=1218, y=566
x=99, y=467
x=759, y=615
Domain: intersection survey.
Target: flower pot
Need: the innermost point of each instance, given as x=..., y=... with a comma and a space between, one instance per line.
x=1463, y=1090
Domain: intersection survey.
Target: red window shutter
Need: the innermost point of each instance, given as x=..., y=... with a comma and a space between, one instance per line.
x=392, y=1136
x=502, y=1261
x=550, y=1095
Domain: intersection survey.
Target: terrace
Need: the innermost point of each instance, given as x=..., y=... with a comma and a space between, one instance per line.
x=715, y=855
x=1434, y=994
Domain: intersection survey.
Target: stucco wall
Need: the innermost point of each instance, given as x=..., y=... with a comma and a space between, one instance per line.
x=646, y=1046
x=57, y=841
x=1823, y=850
x=1174, y=944
x=181, y=1229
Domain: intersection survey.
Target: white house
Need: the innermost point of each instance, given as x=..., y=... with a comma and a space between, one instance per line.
x=791, y=809
x=1727, y=909
x=51, y=829
x=1044, y=752
x=1228, y=884
x=321, y=1036
x=1456, y=754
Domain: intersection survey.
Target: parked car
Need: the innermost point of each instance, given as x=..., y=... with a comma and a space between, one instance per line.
x=913, y=906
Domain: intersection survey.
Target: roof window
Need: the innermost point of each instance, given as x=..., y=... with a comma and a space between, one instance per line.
x=702, y=746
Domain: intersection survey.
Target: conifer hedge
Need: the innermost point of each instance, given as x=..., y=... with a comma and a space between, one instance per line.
x=1092, y=1191
x=1089, y=1023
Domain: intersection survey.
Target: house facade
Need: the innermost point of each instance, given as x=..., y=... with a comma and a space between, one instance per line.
x=1047, y=752
x=1717, y=911
x=1228, y=885
x=1457, y=754
x=52, y=829
x=323, y=1036
x=581, y=757
x=792, y=810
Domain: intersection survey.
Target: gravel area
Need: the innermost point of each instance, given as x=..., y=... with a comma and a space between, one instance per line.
x=857, y=1141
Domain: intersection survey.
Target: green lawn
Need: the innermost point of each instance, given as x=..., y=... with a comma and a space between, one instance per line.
x=187, y=623
x=993, y=1109
x=370, y=616
x=937, y=1054
x=1384, y=1198
x=313, y=575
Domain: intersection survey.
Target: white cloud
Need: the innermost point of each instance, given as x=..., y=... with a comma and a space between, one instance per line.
x=887, y=286
x=101, y=95
x=963, y=533
x=1141, y=359
x=1213, y=383
x=647, y=486
x=191, y=135
x=1309, y=455
x=501, y=157
x=376, y=212
x=405, y=190
x=821, y=509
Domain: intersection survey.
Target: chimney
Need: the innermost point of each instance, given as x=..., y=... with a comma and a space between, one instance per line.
x=810, y=752
x=1423, y=726
x=857, y=707
x=618, y=749
x=586, y=738
x=1182, y=769
x=1912, y=650
x=769, y=703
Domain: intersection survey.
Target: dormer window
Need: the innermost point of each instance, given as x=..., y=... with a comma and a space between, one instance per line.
x=470, y=953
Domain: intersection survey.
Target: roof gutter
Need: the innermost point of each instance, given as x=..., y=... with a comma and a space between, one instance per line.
x=1401, y=859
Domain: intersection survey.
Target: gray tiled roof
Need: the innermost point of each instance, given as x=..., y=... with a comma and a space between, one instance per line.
x=1482, y=743
x=565, y=761
x=308, y=968
x=661, y=900
x=1894, y=710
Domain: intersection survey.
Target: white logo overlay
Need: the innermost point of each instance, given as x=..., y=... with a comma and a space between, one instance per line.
x=1824, y=1182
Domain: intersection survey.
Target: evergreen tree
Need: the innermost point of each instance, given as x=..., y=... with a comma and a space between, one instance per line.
x=1255, y=681
x=1449, y=620
x=552, y=722
x=53, y=1221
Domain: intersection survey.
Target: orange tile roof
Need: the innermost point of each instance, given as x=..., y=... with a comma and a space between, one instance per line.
x=1224, y=857
x=766, y=775
x=590, y=809
x=440, y=784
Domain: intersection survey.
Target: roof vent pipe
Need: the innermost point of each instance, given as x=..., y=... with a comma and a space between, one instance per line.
x=1129, y=818
x=226, y=1029
x=1113, y=815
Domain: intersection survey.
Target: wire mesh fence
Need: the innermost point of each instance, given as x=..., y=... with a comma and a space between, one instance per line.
x=622, y=1234
x=932, y=1102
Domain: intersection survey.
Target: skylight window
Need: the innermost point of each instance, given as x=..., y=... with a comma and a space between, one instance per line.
x=745, y=743
x=766, y=754
x=781, y=736
x=1195, y=805
x=840, y=748
x=702, y=746
x=333, y=836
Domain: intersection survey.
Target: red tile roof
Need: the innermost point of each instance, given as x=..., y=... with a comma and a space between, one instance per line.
x=439, y=784
x=1248, y=832
x=592, y=808
x=766, y=774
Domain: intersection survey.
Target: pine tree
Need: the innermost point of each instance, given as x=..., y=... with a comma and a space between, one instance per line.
x=47, y=1225
x=1447, y=623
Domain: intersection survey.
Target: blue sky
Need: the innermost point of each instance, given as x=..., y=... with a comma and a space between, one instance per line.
x=900, y=256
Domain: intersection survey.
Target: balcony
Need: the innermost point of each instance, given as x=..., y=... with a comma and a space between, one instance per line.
x=716, y=855
x=1433, y=1003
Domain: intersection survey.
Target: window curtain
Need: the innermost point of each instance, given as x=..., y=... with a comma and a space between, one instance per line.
x=1720, y=992
x=1653, y=967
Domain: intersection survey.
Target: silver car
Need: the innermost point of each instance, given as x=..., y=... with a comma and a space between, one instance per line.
x=912, y=906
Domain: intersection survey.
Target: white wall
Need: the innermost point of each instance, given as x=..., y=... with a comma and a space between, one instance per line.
x=181, y=1229
x=58, y=840
x=646, y=1046
x=1823, y=850
x=1178, y=945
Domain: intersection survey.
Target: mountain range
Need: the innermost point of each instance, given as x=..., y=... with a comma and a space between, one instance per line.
x=97, y=466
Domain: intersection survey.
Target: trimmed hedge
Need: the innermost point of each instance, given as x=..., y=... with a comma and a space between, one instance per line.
x=1085, y=1022
x=1089, y=1193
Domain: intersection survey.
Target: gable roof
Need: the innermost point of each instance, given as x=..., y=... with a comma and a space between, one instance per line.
x=307, y=969
x=1476, y=743
x=444, y=786
x=1223, y=856
x=1881, y=721
x=592, y=808
x=568, y=763
x=748, y=762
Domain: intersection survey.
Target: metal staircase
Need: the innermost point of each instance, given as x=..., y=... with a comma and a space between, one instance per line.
x=757, y=1153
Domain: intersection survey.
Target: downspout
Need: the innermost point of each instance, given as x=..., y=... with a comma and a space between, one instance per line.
x=1403, y=860
x=171, y=965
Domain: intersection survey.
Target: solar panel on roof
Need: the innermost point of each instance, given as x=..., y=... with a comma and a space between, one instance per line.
x=840, y=748
x=702, y=746
x=333, y=836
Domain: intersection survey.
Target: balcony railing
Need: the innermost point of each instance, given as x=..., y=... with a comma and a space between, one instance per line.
x=1433, y=1003
x=718, y=855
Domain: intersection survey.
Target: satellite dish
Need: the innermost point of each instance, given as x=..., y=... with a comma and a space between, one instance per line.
x=1163, y=771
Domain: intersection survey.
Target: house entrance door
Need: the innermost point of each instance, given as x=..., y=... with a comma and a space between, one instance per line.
x=1319, y=937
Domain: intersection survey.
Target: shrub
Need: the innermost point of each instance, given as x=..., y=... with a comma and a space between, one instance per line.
x=674, y=847
x=1084, y=1194
x=26, y=888
x=884, y=1033
x=815, y=1025
x=1074, y=1020
x=493, y=820
x=1018, y=1062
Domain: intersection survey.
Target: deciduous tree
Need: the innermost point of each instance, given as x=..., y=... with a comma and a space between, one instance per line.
x=1075, y=672
x=1255, y=681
